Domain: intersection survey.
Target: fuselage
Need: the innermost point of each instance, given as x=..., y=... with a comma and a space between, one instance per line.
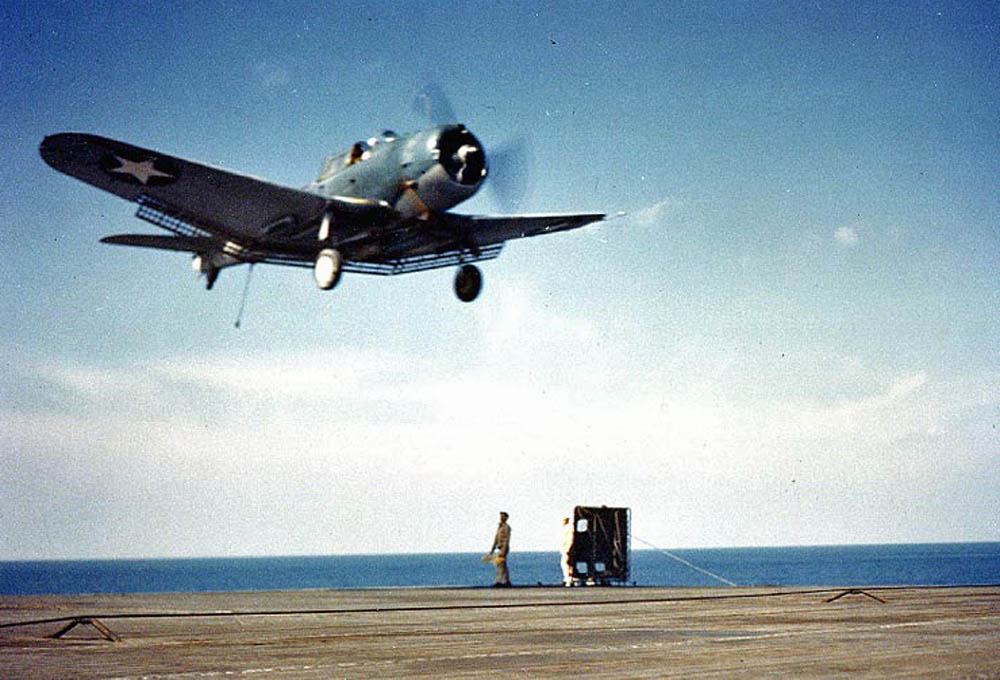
x=417, y=174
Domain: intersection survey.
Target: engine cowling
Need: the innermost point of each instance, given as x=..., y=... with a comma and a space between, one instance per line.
x=456, y=173
x=462, y=156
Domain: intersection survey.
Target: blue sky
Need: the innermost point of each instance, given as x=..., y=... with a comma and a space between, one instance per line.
x=791, y=338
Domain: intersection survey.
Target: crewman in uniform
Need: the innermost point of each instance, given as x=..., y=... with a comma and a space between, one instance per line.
x=501, y=546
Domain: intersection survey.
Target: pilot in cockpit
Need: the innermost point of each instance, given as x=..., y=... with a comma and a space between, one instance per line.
x=357, y=153
x=362, y=151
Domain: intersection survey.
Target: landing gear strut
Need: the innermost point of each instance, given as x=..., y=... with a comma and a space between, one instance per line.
x=468, y=282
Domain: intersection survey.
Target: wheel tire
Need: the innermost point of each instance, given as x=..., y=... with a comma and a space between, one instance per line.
x=328, y=268
x=468, y=283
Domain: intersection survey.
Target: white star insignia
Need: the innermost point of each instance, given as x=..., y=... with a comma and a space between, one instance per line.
x=141, y=170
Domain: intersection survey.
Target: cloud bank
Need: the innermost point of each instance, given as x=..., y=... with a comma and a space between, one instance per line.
x=341, y=450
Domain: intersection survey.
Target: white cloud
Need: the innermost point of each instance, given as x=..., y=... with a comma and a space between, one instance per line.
x=887, y=416
x=426, y=449
x=272, y=74
x=847, y=236
x=318, y=375
x=92, y=382
x=655, y=213
x=514, y=323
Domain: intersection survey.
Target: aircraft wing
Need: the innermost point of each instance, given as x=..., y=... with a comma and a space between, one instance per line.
x=209, y=209
x=450, y=239
x=485, y=230
x=215, y=202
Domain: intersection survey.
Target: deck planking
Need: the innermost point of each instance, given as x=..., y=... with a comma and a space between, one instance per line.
x=529, y=632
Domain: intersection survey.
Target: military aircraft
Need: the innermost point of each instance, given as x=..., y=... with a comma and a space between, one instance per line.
x=381, y=207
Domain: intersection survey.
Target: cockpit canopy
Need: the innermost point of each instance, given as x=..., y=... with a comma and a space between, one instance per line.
x=385, y=136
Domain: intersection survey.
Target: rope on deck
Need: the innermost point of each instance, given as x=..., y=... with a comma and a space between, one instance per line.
x=93, y=619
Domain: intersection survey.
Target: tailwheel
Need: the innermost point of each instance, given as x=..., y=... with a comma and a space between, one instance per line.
x=468, y=282
x=329, y=264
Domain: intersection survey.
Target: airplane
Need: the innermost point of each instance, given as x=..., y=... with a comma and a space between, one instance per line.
x=381, y=207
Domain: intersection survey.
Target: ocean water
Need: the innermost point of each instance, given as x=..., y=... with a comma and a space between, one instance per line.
x=859, y=565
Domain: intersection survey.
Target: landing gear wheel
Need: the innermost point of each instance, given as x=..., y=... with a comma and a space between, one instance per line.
x=468, y=283
x=328, y=267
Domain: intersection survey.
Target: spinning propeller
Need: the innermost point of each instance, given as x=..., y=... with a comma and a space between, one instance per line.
x=508, y=162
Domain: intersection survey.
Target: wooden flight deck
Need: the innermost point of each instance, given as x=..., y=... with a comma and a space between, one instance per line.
x=532, y=632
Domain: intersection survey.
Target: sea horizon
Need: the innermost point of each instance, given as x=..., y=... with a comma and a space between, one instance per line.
x=475, y=552
x=967, y=563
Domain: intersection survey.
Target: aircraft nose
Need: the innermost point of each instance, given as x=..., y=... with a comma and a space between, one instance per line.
x=461, y=154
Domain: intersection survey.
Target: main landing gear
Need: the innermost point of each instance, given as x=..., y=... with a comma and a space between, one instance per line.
x=328, y=267
x=468, y=282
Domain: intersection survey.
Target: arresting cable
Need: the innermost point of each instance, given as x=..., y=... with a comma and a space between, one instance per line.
x=684, y=561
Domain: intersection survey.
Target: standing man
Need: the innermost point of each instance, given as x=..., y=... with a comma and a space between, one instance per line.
x=501, y=544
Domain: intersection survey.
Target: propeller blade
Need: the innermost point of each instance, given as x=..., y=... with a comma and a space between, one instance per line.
x=510, y=170
x=433, y=103
x=509, y=163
